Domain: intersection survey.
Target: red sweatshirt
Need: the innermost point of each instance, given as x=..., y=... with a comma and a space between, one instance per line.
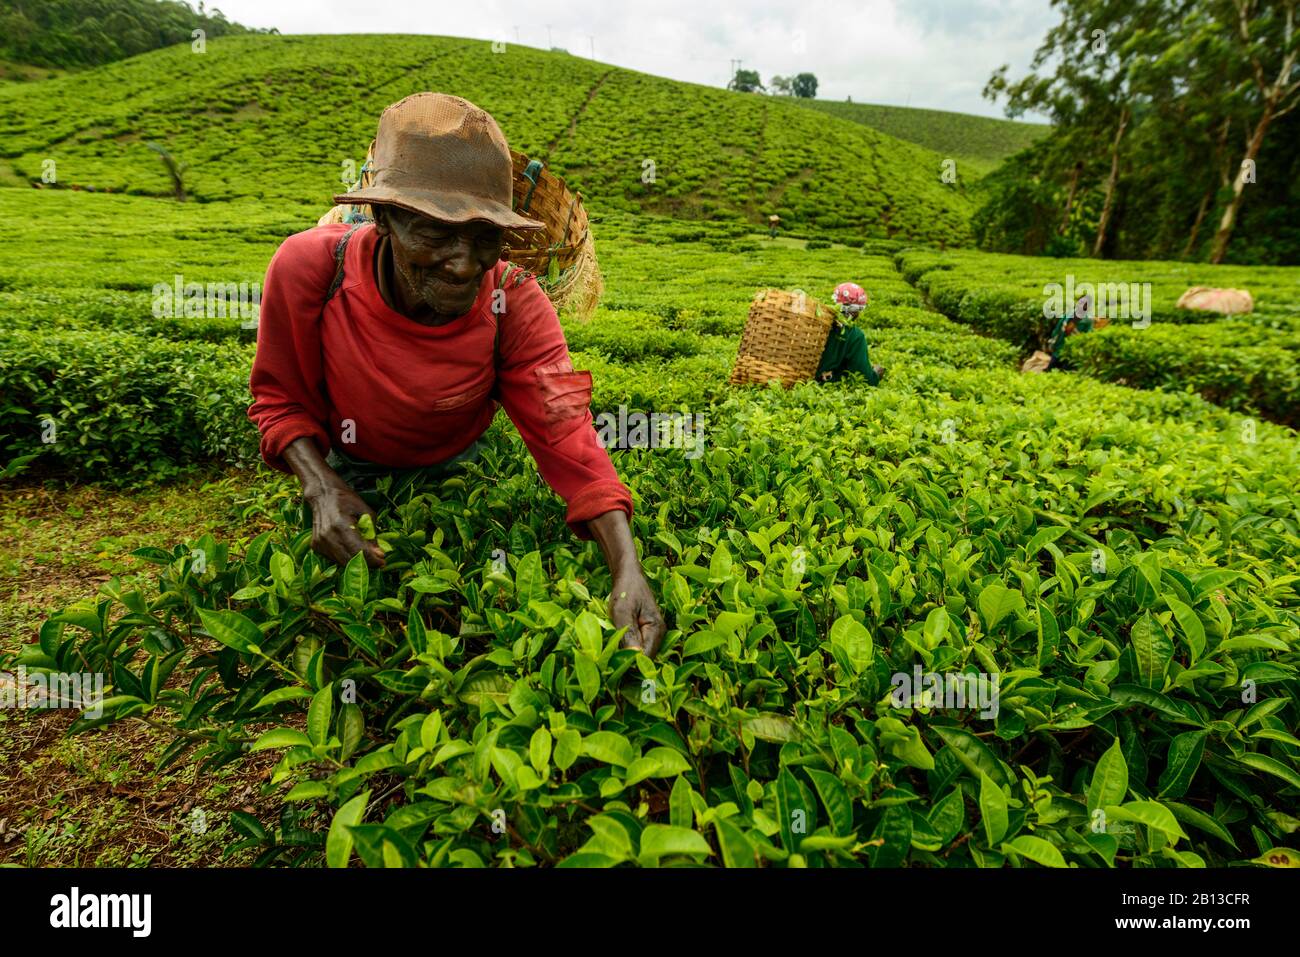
x=389, y=390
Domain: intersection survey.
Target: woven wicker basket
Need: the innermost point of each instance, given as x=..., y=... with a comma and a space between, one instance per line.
x=562, y=256
x=784, y=338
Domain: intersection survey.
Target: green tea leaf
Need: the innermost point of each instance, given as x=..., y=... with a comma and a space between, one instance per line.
x=993, y=810
x=1262, y=762
x=656, y=763
x=936, y=626
x=338, y=842
x=530, y=580
x=608, y=747
x=1201, y=821
x=280, y=738
x=231, y=629
x=1109, y=779
x=662, y=840
x=1189, y=623
x=539, y=750
x=894, y=831
x=681, y=811
x=1151, y=813
x=851, y=635
x=835, y=799
x=793, y=818
x=568, y=746
x=1152, y=650
x=319, y=713
x=1036, y=849
x=974, y=754
x=356, y=578
x=1180, y=767
x=996, y=602
x=736, y=849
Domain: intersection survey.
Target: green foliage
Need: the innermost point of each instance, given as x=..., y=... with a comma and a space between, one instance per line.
x=450, y=712
x=1155, y=108
x=120, y=407
x=804, y=86
x=1246, y=362
x=76, y=33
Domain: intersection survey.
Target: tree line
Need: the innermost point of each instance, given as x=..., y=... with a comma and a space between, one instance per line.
x=802, y=85
x=1174, y=134
x=70, y=34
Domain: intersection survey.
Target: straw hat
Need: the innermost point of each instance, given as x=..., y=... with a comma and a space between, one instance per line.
x=442, y=157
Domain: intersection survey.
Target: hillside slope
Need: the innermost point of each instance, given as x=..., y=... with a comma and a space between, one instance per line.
x=978, y=143
x=282, y=117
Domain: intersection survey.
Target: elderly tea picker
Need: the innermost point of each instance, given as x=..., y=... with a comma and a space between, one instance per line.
x=846, y=347
x=386, y=348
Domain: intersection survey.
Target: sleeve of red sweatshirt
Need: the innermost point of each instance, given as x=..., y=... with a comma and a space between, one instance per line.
x=550, y=405
x=288, y=380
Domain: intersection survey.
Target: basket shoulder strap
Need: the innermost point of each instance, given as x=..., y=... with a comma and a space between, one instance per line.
x=512, y=275
x=496, y=336
x=340, y=250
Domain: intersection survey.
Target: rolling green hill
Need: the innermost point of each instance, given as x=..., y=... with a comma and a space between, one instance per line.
x=978, y=143
x=280, y=117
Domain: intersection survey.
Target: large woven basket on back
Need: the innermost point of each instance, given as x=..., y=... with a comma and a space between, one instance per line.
x=784, y=338
x=562, y=256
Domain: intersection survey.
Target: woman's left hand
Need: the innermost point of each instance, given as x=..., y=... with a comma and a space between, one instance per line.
x=632, y=605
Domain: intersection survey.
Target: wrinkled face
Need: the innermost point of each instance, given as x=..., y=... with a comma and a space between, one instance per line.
x=441, y=265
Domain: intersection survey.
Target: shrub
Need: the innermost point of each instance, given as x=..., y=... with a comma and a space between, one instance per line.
x=122, y=408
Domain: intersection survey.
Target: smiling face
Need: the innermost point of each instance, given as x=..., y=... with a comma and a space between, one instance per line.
x=439, y=266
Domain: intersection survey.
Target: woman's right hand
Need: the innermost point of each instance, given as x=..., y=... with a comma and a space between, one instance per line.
x=335, y=509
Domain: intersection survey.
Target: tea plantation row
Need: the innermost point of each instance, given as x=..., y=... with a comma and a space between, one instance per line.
x=1246, y=362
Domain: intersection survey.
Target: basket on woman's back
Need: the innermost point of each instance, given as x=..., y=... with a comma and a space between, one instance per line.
x=784, y=338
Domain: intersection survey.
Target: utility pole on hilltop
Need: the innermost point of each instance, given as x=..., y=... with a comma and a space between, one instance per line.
x=516, y=34
x=549, y=42
x=593, y=45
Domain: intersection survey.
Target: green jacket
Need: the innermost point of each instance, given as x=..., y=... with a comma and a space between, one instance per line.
x=846, y=351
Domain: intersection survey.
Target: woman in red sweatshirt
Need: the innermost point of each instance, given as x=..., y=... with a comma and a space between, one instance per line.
x=398, y=353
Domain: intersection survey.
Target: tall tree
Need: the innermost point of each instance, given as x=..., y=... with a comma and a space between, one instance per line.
x=1264, y=40
x=746, y=81
x=1098, y=52
x=804, y=85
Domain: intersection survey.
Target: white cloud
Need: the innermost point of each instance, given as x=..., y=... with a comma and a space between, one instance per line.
x=926, y=53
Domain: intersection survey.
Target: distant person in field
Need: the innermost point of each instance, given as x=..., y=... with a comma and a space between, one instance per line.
x=1081, y=321
x=385, y=348
x=846, y=347
x=773, y=224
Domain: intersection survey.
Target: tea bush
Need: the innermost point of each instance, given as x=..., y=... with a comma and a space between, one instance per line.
x=452, y=710
x=122, y=408
x=1247, y=362
x=1122, y=562
x=1212, y=360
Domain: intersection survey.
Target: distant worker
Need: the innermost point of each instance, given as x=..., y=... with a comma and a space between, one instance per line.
x=1082, y=321
x=773, y=223
x=846, y=347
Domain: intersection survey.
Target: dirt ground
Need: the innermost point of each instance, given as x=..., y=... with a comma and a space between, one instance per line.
x=96, y=799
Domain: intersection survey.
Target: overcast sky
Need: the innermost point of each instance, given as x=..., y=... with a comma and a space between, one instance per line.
x=931, y=53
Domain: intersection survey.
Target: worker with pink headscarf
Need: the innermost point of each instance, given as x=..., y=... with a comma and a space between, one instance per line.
x=846, y=347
